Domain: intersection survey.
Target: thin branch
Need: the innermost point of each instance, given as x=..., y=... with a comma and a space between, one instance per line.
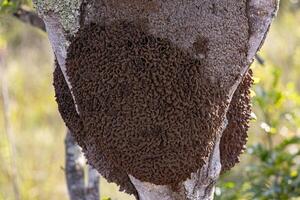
x=260, y=59
x=31, y=18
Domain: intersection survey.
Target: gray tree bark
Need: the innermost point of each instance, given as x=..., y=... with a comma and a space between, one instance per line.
x=64, y=17
x=74, y=169
x=75, y=173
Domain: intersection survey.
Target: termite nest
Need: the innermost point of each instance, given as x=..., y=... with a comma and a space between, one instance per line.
x=146, y=107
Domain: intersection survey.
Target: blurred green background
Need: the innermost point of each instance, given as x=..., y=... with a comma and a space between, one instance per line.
x=32, y=132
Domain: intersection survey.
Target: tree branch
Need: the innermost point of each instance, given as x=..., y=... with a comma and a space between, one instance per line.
x=31, y=18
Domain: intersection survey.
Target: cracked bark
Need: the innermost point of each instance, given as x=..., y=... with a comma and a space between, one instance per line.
x=201, y=184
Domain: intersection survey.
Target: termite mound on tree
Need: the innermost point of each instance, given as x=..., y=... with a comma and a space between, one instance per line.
x=146, y=107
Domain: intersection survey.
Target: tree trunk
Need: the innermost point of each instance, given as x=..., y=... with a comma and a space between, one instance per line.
x=64, y=17
x=74, y=169
x=75, y=173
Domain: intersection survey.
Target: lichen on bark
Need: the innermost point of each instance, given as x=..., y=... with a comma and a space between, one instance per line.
x=67, y=10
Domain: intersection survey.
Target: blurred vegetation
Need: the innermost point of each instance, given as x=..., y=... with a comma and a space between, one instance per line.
x=32, y=132
x=11, y=6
